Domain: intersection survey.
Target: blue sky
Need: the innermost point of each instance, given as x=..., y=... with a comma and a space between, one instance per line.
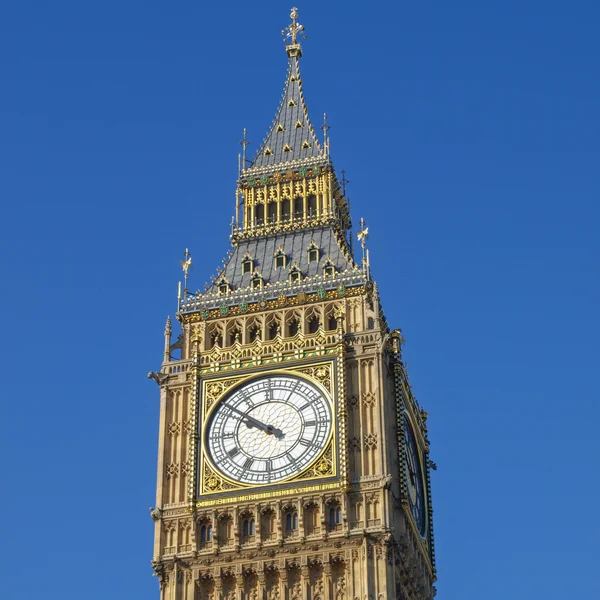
x=469, y=132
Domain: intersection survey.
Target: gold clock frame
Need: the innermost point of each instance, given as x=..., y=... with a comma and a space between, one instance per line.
x=325, y=466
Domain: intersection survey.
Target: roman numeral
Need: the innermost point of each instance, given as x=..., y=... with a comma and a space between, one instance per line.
x=248, y=463
x=310, y=423
x=269, y=466
x=233, y=452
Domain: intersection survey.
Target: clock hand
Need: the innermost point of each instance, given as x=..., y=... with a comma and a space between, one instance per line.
x=268, y=429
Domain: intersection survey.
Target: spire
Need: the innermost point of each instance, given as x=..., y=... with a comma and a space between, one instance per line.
x=292, y=136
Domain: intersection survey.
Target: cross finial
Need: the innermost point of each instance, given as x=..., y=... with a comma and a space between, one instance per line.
x=291, y=32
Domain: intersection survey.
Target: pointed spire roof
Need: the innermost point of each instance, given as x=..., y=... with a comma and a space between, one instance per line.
x=292, y=136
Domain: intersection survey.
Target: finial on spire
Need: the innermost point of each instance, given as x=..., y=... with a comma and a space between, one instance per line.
x=186, y=265
x=362, y=235
x=291, y=32
x=243, y=143
x=344, y=181
x=325, y=129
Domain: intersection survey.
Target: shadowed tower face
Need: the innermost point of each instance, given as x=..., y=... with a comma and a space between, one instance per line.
x=293, y=458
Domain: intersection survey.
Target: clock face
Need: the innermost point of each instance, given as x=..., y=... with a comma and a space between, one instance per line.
x=414, y=479
x=268, y=429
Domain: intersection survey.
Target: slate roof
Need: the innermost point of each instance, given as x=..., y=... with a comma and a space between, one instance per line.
x=295, y=246
x=285, y=133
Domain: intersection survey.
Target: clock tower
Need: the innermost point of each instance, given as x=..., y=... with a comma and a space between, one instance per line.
x=293, y=457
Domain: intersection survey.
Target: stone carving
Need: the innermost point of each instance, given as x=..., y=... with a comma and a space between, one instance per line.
x=370, y=441
x=172, y=470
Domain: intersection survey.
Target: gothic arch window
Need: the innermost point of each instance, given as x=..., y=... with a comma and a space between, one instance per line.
x=293, y=326
x=223, y=285
x=234, y=333
x=257, y=281
x=335, y=515
x=203, y=534
x=291, y=521
x=313, y=323
x=313, y=252
x=312, y=205
x=295, y=274
x=328, y=268
x=298, y=207
x=247, y=264
x=273, y=328
x=280, y=258
x=285, y=210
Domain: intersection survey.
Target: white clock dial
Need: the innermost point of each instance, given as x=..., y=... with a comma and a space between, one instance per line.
x=268, y=429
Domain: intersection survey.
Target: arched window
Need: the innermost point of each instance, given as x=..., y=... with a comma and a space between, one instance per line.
x=293, y=327
x=254, y=332
x=338, y=515
x=209, y=533
x=252, y=527
x=313, y=252
x=295, y=274
x=245, y=528
x=247, y=264
x=295, y=521
x=288, y=522
x=257, y=282
x=280, y=258
x=313, y=325
x=285, y=210
x=203, y=533
x=332, y=516
x=312, y=205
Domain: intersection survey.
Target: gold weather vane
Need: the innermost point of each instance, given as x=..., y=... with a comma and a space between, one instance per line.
x=293, y=29
x=186, y=265
x=363, y=234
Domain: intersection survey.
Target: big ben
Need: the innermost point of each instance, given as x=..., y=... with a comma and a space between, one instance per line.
x=293, y=458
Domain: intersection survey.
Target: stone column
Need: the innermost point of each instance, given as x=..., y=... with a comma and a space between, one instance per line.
x=305, y=571
x=218, y=587
x=283, y=581
x=239, y=587
x=261, y=583
x=327, y=580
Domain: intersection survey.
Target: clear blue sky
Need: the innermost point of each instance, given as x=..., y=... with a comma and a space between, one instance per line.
x=469, y=131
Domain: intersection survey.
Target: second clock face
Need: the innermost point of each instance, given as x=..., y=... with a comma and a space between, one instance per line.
x=268, y=429
x=414, y=479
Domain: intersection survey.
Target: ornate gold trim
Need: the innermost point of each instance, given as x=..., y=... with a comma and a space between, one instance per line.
x=325, y=464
